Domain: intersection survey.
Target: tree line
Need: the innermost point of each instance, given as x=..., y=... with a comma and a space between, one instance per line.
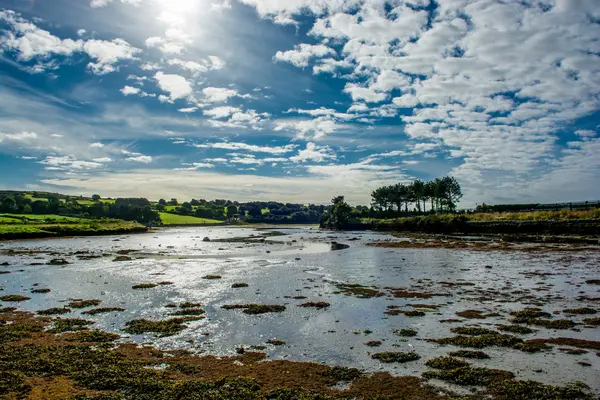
x=439, y=195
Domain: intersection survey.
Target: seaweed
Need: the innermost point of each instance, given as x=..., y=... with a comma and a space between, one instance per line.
x=14, y=297
x=474, y=354
x=94, y=336
x=581, y=311
x=144, y=286
x=40, y=291
x=84, y=303
x=162, y=328
x=360, y=291
x=532, y=390
x=54, y=311
x=396, y=357
x=481, y=341
x=275, y=342
x=516, y=329
x=469, y=376
x=404, y=332
x=209, y=276
x=103, y=310
x=472, y=331
x=446, y=363
x=69, y=324
x=189, y=311
x=319, y=305
x=254, y=309
x=238, y=285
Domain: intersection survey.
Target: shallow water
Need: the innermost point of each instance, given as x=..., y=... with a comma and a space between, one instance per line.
x=301, y=263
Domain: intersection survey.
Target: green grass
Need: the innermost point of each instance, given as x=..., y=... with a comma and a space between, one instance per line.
x=69, y=228
x=173, y=219
x=265, y=211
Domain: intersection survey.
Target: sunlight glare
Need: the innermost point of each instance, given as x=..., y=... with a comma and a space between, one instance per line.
x=174, y=12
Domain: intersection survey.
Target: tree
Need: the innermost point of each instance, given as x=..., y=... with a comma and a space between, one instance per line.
x=96, y=197
x=231, y=211
x=340, y=213
x=195, y=202
x=173, y=202
x=187, y=206
x=162, y=202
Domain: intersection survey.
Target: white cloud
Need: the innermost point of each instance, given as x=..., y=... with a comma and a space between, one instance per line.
x=97, y=145
x=188, y=110
x=300, y=56
x=248, y=147
x=104, y=3
x=141, y=159
x=195, y=166
x=175, y=85
x=315, y=153
x=59, y=163
x=218, y=95
x=130, y=90
x=31, y=42
x=316, y=128
x=18, y=137
x=221, y=112
x=102, y=160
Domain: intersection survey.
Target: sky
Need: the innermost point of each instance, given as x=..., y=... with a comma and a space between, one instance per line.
x=301, y=100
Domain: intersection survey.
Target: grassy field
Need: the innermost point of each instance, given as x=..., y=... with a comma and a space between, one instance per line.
x=82, y=228
x=172, y=219
x=38, y=218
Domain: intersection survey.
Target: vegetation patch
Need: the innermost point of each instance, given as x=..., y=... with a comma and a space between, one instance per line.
x=54, y=311
x=360, y=291
x=209, y=276
x=275, y=342
x=532, y=390
x=163, y=328
x=189, y=311
x=373, y=343
x=446, y=363
x=592, y=321
x=475, y=314
x=17, y=331
x=579, y=343
x=238, y=285
x=474, y=354
x=14, y=297
x=58, y=261
x=189, y=304
x=396, y=357
x=343, y=374
x=122, y=258
x=405, y=332
x=84, y=303
x=319, y=305
x=481, y=341
x=593, y=281
x=523, y=330
x=94, y=336
x=532, y=347
x=408, y=313
x=254, y=309
x=470, y=376
x=472, y=331
x=529, y=314
x=582, y=311
x=103, y=310
x=144, y=286
x=40, y=291
x=7, y=309
x=13, y=382
x=61, y=325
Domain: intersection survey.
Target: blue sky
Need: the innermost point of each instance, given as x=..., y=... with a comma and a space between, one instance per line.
x=300, y=100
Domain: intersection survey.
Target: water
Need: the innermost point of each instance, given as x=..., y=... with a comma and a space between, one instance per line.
x=301, y=263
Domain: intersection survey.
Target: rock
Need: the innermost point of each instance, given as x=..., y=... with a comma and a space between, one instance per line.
x=58, y=261
x=206, y=239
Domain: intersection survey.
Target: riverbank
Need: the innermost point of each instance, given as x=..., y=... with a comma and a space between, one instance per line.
x=40, y=230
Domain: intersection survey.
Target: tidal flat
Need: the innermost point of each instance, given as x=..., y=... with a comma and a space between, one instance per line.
x=310, y=303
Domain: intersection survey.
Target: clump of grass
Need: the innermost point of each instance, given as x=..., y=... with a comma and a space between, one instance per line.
x=58, y=261
x=275, y=342
x=14, y=297
x=469, y=376
x=532, y=347
x=189, y=311
x=61, y=325
x=254, y=309
x=474, y=354
x=144, y=286
x=93, y=337
x=373, y=343
x=523, y=330
x=209, y=276
x=582, y=311
x=103, y=310
x=343, y=374
x=529, y=313
x=122, y=258
x=319, y=305
x=239, y=285
x=525, y=390
x=167, y=327
x=396, y=357
x=41, y=291
x=475, y=314
x=13, y=382
x=17, y=331
x=592, y=321
x=472, y=331
x=481, y=341
x=554, y=324
x=189, y=304
x=84, y=303
x=360, y=291
x=54, y=311
x=446, y=363
x=405, y=332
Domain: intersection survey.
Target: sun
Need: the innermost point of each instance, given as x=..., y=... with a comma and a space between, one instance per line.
x=176, y=12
